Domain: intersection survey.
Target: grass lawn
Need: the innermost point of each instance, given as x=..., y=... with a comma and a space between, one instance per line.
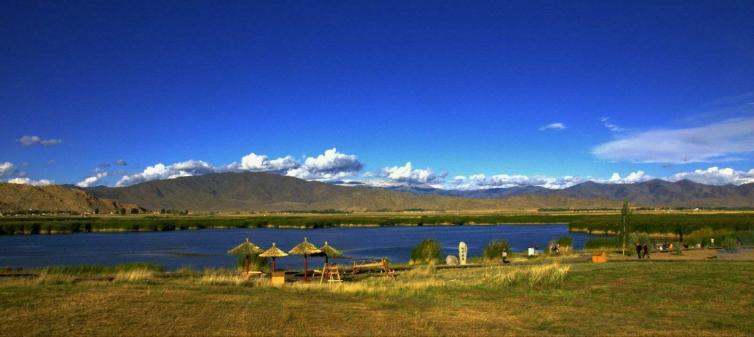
x=618, y=298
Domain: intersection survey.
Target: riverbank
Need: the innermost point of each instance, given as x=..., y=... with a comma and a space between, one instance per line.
x=618, y=298
x=659, y=223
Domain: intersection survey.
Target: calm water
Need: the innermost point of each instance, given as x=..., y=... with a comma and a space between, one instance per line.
x=207, y=248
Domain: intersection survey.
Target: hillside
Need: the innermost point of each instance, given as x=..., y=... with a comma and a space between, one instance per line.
x=250, y=191
x=54, y=198
x=657, y=192
x=652, y=193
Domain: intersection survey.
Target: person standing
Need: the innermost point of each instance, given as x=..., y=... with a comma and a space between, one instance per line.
x=638, y=249
x=646, y=251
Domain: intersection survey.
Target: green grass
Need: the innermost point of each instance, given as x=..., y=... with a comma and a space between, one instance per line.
x=617, y=298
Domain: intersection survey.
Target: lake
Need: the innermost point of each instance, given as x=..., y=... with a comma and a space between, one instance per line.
x=208, y=247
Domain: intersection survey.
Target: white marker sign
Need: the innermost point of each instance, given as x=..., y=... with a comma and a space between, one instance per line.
x=462, y=250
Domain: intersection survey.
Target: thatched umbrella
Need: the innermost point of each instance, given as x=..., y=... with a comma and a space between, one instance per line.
x=247, y=249
x=273, y=252
x=328, y=252
x=305, y=248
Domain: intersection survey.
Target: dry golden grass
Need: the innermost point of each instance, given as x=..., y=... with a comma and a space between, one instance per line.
x=134, y=275
x=615, y=299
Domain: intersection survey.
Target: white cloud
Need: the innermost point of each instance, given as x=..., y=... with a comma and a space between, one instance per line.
x=718, y=141
x=260, y=163
x=716, y=176
x=610, y=126
x=91, y=181
x=7, y=168
x=553, y=126
x=406, y=174
x=331, y=165
x=481, y=181
x=36, y=140
x=161, y=171
x=633, y=177
x=27, y=181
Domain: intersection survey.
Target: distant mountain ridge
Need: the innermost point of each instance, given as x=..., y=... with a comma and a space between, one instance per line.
x=656, y=192
x=256, y=191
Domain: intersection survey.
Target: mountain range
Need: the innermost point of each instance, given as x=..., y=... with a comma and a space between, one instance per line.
x=254, y=191
x=652, y=193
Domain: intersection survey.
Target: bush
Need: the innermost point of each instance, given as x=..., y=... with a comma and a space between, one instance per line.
x=427, y=251
x=729, y=244
x=677, y=248
x=565, y=241
x=494, y=250
x=641, y=237
x=257, y=263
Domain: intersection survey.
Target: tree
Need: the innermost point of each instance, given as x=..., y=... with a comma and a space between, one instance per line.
x=625, y=212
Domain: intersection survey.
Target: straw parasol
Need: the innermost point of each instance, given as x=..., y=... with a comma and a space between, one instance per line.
x=246, y=249
x=329, y=251
x=305, y=248
x=273, y=252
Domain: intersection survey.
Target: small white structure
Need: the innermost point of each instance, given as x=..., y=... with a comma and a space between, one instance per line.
x=451, y=260
x=532, y=252
x=462, y=251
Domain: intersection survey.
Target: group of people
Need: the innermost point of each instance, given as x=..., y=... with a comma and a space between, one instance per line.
x=642, y=250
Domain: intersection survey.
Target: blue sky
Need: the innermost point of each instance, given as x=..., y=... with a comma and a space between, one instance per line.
x=464, y=91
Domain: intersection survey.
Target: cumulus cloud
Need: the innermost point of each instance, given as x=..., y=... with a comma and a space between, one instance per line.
x=610, y=126
x=36, y=140
x=27, y=181
x=7, y=168
x=481, y=181
x=161, y=171
x=716, y=176
x=331, y=165
x=406, y=174
x=91, y=181
x=260, y=163
x=633, y=177
x=553, y=126
x=719, y=141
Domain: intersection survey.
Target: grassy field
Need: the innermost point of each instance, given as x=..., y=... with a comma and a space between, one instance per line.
x=618, y=298
x=603, y=221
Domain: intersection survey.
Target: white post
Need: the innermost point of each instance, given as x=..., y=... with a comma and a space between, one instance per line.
x=462, y=251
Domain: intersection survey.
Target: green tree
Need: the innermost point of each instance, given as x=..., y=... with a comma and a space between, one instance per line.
x=625, y=213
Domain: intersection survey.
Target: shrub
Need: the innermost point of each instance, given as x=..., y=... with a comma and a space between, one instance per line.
x=565, y=241
x=641, y=237
x=730, y=244
x=257, y=263
x=704, y=235
x=427, y=251
x=494, y=250
x=677, y=248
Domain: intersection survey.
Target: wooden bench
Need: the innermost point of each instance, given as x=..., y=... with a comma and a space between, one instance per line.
x=381, y=265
